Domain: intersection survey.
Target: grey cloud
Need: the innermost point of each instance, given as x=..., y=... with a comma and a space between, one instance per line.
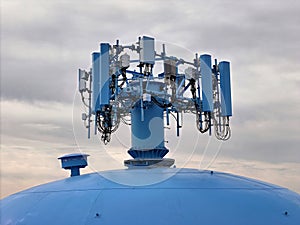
x=62, y=30
x=245, y=28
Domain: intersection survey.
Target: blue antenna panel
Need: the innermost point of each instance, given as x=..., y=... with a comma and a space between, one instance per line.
x=226, y=107
x=206, y=83
x=96, y=78
x=104, y=74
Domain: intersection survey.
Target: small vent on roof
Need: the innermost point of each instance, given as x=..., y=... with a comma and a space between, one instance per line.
x=74, y=162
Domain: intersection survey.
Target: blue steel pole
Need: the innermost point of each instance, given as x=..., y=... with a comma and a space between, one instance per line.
x=149, y=133
x=75, y=171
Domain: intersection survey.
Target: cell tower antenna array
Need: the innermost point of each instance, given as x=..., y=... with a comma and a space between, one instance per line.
x=117, y=93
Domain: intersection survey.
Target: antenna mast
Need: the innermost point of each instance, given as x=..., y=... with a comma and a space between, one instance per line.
x=118, y=88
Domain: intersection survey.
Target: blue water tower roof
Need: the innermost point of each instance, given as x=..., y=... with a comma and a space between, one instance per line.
x=153, y=196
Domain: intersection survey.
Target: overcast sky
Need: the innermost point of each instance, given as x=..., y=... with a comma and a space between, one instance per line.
x=43, y=43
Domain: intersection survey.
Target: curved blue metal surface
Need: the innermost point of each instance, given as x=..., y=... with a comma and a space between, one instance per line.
x=142, y=134
x=183, y=196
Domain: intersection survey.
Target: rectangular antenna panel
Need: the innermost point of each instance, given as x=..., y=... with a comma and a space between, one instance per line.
x=95, y=79
x=206, y=83
x=104, y=74
x=82, y=81
x=147, y=52
x=226, y=107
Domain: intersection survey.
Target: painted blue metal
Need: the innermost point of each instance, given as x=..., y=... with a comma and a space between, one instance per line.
x=74, y=162
x=206, y=83
x=96, y=80
x=149, y=133
x=226, y=106
x=104, y=74
x=153, y=196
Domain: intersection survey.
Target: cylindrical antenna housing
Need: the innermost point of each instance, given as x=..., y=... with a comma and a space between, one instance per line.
x=226, y=107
